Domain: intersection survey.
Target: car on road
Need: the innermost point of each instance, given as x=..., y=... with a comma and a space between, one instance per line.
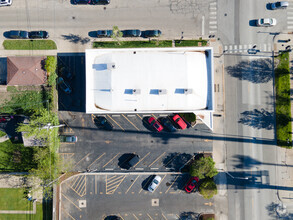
x=5, y=2
x=100, y=2
x=266, y=22
x=279, y=5
x=191, y=184
x=167, y=124
x=113, y=217
x=179, y=121
x=81, y=2
x=17, y=34
x=131, y=33
x=134, y=159
x=154, y=184
x=155, y=124
x=151, y=33
x=66, y=88
x=68, y=138
x=105, y=123
x=104, y=33
x=93, y=2
x=38, y=34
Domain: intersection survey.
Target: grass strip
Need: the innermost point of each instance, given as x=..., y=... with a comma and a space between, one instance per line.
x=29, y=45
x=132, y=44
x=283, y=105
x=190, y=43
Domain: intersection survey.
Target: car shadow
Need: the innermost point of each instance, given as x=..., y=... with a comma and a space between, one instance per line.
x=146, y=124
x=253, y=23
x=145, y=184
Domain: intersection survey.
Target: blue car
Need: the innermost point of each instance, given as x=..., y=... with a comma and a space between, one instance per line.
x=131, y=33
x=104, y=33
x=151, y=33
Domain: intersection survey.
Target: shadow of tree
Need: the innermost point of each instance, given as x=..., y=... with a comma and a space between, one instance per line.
x=276, y=212
x=176, y=160
x=76, y=39
x=258, y=119
x=256, y=71
x=188, y=216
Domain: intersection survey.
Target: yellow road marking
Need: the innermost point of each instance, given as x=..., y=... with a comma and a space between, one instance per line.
x=139, y=116
x=68, y=214
x=171, y=159
x=160, y=183
x=149, y=216
x=71, y=201
x=111, y=160
x=112, y=177
x=131, y=185
x=130, y=122
x=81, y=185
x=96, y=160
x=145, y=185
x=164, y=216
x=113, y=189
x=157, y=159
x=121, y=216
x=75, y=180
x=142, y=159
x=115, y=122
x=178, y=216
x=135, y=216
x=172, y=184
x=154, y=116
x=208, y=203
x=82, y=159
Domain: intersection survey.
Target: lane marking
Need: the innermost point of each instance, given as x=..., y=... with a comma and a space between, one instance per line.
x=172, y=159
x=157, y=159
x=130, y=122
x=114, y=185
x=145, y=185
x=96, y=185
x=149, y=216
x=82, y=159
x=154, y=116
x=131, y=185
x=115, y=122
x=202, y=25
x=142, y=159
x=111, y=160
x=164, y=216
x=67, y=213
x=172, y=184
x=96, y=160
x=70, y=201
x=139, y=116
x=135, y=216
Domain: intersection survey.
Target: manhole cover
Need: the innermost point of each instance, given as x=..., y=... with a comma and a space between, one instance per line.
x=82, y=203
x=155, y=202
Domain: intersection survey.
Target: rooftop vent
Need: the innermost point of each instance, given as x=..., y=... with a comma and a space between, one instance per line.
x=136, y=91
x=187, y=91
x=111, y=66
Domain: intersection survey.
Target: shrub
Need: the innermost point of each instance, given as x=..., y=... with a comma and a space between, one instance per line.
x=190, y=117
x=208, y=188
x=203, y=167
x=50, y=66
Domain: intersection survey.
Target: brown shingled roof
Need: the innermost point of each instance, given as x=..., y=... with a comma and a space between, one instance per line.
x=25, y=71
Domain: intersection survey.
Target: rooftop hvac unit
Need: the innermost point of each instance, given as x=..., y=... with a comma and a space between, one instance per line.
x=136, y=91
x=187, y=91
x=162, y=91
x=111, y=66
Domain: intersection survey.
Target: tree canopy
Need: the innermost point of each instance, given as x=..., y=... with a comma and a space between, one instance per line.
x=203, y=167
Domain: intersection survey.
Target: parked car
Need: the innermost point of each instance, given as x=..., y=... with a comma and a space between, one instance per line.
x=155, y=124
x=66, y=88
x=66, y=138
x=84, y=2
x=266, y=22
x=167, y=124
x=100, y=2
x=191, y=184
x=154, y=184
x=179, y=121
x=38, y=34
x=131, y=33
x=104, y=33
x=134, y=159
x=17, y=34
x=113, y=217
x=5, y=2
x=151, y=33
x=279, y=5
x=105, y=123
x=65, y=73
x=94, y=2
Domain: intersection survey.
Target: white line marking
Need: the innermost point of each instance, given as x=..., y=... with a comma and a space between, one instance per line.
x=213, y=12
x=225, y=47
x=154, y=168
x=213, y=27
x=109, y=169
x=138, y=168
x=213, y=22
x=202, y=25
x=113, y=116
x=264, y=47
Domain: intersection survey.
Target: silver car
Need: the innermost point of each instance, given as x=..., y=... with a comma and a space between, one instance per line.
x=5, y=2
x=279, y=5
x=154, y=184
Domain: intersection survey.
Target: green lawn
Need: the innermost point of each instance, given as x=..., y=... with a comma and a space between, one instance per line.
x=190, y=43
x=2, y=133
x=132, y=44
x=283, y=107
x=29, y=45
x=15, y=157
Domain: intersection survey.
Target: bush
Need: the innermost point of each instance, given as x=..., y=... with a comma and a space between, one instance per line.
x=208, y=188
x=189, y=117
x=203, y=167
x=50, y=66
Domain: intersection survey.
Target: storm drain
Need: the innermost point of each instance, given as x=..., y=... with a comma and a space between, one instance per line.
x=82, y=203
x=155, y=202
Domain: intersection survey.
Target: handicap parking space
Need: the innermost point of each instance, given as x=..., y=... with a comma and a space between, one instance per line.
x=82, y=196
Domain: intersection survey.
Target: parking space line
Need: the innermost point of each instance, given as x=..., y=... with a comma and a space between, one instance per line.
x=130, y=122
x=67, y=214
x=145, y=185
x=81, y=159
x=121, y=216
x=149, y=216
x=111, y=188
x=178, y=216
x=79, y=185
x=142, y=159
x=111, y=160
x=156, y=159
x=139, y=116
x=96, y=185
x=164, y=216
x=71, y=201
x=154, y=116
x=115, y=122
x=171, y=159
x=96, y=160
x=160, y=183
x=135, y=216
x=172, y=184
x=131, y=185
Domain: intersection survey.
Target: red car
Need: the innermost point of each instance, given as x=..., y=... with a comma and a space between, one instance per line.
x=154, y=123
x=179, y=121
x=191, y=184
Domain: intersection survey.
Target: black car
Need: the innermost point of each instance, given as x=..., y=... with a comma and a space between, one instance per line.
x=113, y=217
x=151, y=33
x=18, y=34
x=104, y=123
x=132, y=161
x=94, y=2
x=104, y=33
x=131, y=33
x=84, y=2
x=100, y=2
x=38, y=34
x=167, y=124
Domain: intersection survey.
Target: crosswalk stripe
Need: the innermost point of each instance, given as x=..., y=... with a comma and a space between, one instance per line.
x=213, y=22
x=213, y=12
x=213, y=27
x=264, y=47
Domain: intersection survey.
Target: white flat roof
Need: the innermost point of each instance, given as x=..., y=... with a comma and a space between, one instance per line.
x=148, y=80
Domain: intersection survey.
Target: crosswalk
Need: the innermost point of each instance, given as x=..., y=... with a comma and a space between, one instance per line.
x=243, y=48
x=213, y=18
x=290, y=16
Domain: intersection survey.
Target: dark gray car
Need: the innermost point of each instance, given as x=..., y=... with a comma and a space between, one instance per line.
x=17, y=34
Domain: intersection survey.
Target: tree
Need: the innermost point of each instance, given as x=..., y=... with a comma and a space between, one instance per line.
x=116, y=34
x=203, y=167
x=208, y=188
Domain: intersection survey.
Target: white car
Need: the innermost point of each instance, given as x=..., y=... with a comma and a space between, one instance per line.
x=266, y=22
x=5, y=2
x=278, y=5
x=153, y=185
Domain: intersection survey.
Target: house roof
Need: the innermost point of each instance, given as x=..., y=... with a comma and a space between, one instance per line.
x=25, y=71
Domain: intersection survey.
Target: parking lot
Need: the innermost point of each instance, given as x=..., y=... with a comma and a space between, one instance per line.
x=92, y=196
